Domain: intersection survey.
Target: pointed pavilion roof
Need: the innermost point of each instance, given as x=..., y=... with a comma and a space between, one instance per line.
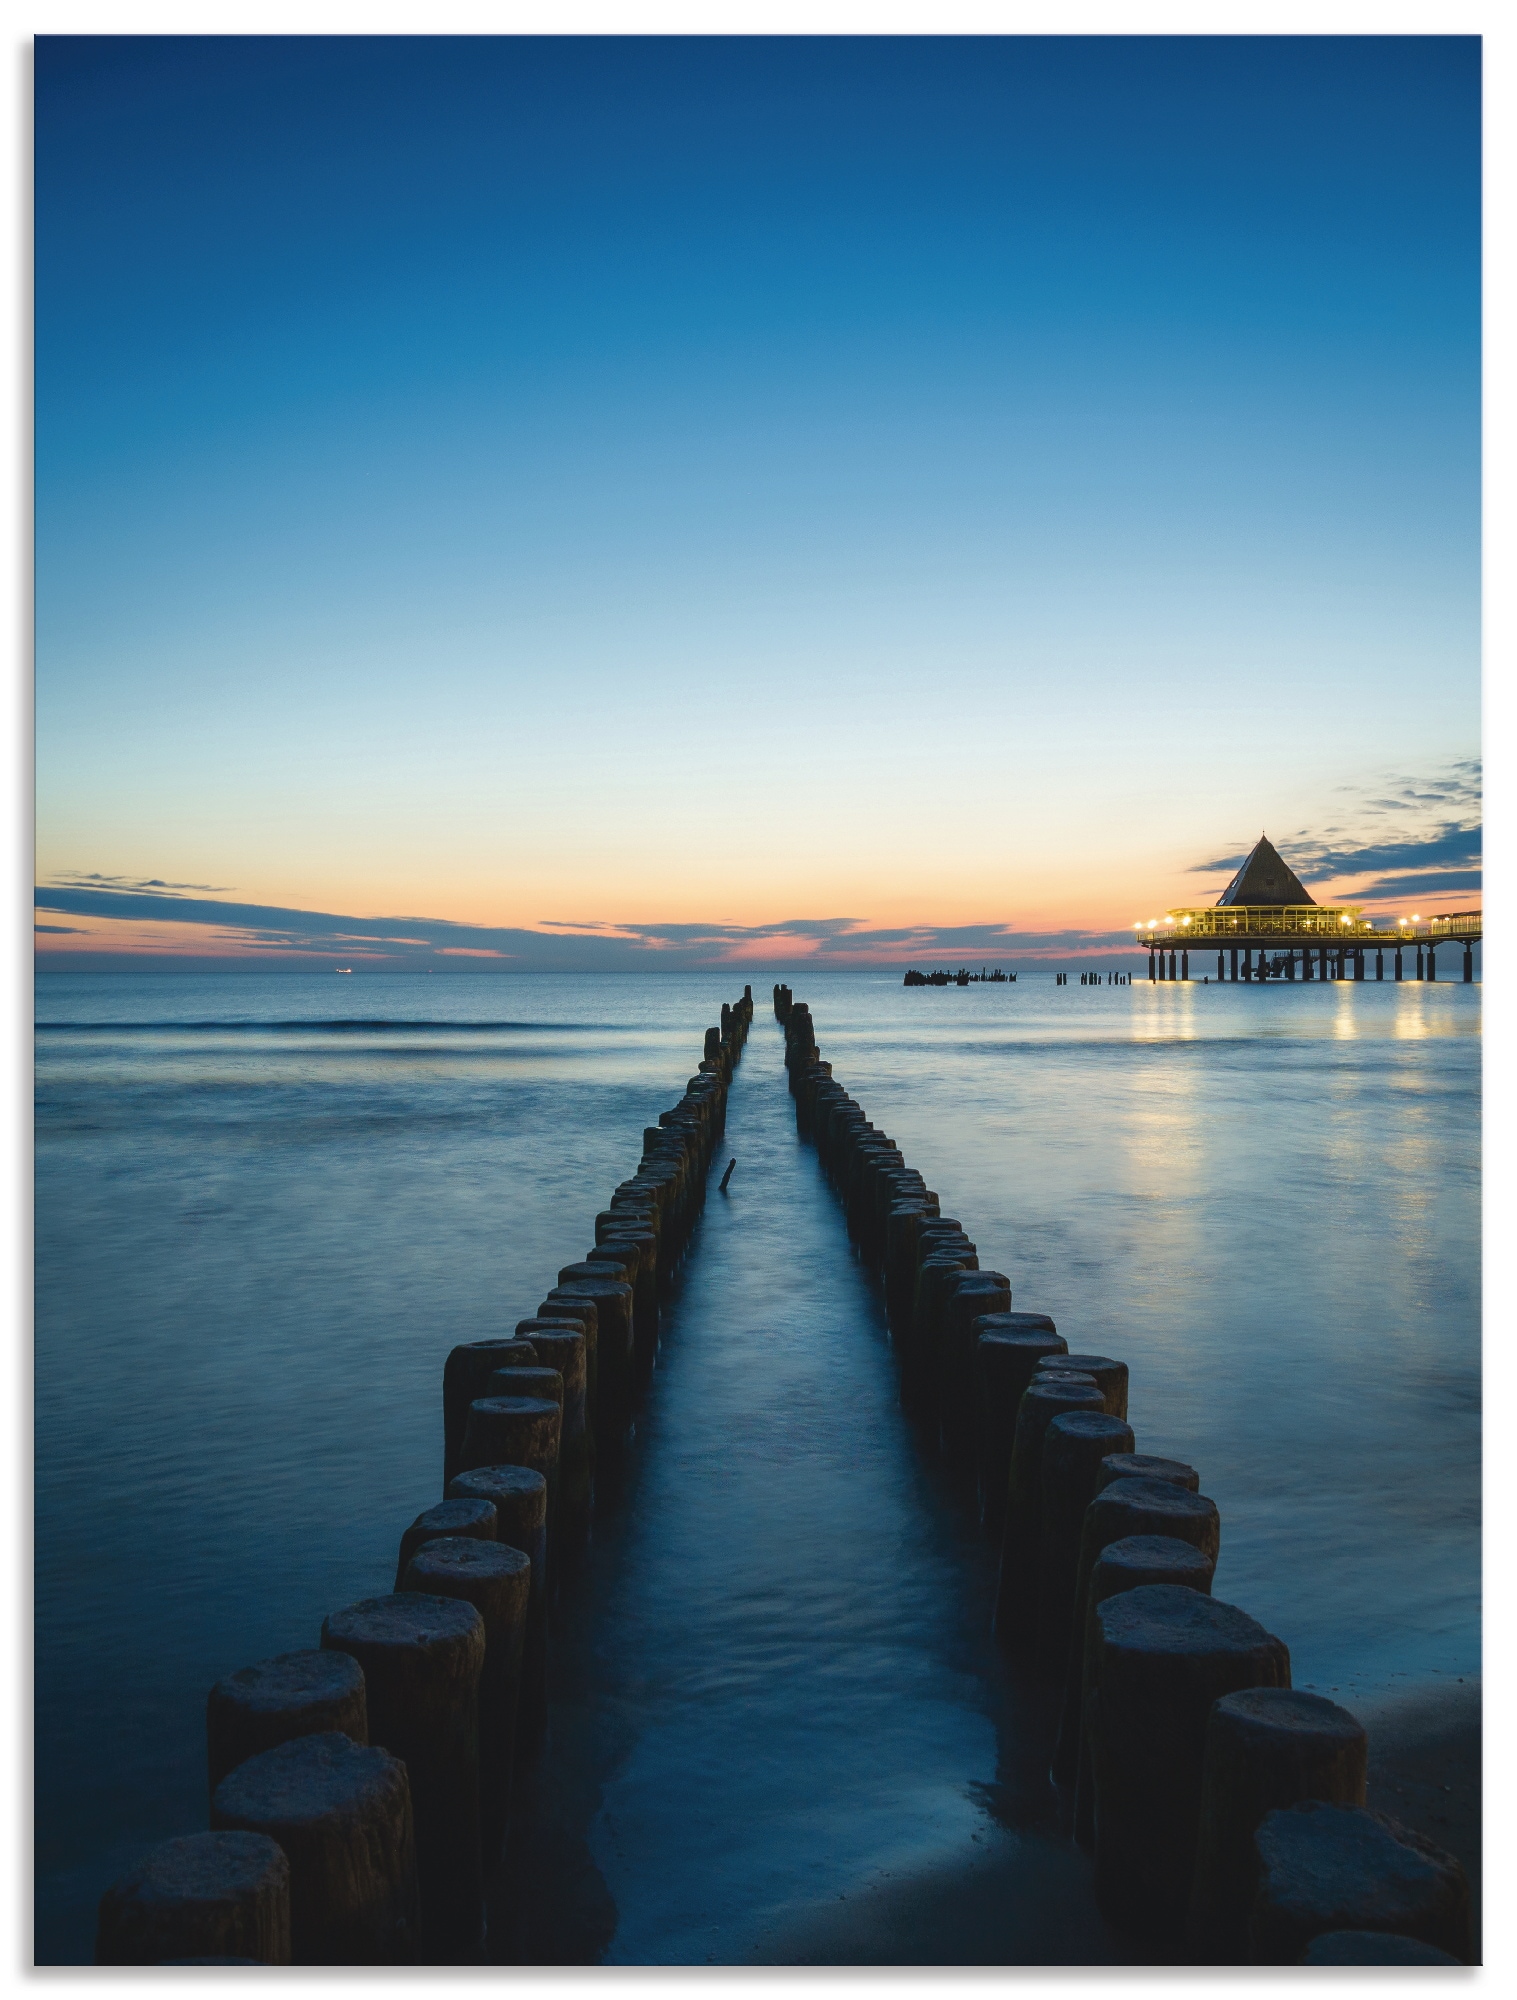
x=1264, y=878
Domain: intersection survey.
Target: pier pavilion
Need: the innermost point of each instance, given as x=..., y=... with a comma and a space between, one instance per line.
x=1265, y=926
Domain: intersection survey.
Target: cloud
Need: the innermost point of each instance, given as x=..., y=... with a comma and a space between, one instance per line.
x=61, y=930
x=1409, y=835
x=138, y=882
x=264, y=933
x=1439, y=882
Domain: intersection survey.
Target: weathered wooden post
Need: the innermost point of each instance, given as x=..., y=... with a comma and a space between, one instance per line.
x=1265, y=1749
x=513, y=1430
x=561, y=1345
x=1332, y=1867
x=294, y=1694
x=465, y=1372
x=1163, y=1656
x=1016, y=1597
x=1141, y=1465
x=520, y=1498
x=1109, y=1376
x=1073, y=1448
x=203, y=1896
x=1008, y=1348
x=614, y=1338
x=968, y=1295
x=1131, y=1505
x=473, y=1518
x=496, y=1580
x=421, y=1658
x=342, y=1813
x=565, y=1304
x=1124, y=1565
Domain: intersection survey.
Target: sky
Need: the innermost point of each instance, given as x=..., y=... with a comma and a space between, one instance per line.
x=575, y=502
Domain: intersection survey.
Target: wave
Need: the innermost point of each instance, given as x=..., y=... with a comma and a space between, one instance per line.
x=331, y=1027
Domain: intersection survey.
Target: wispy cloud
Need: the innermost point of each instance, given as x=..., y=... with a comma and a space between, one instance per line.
x=1402, y=836
x=264, y=932
x=139, y=882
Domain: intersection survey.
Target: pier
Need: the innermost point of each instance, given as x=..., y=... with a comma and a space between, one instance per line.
x=1265, y=926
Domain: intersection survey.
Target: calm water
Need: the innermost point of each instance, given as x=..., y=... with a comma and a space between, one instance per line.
x=265, y=1211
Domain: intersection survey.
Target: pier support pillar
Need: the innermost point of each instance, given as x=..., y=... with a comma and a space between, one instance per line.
x=1469, y=965
x=1400, y=973
x=1185, y=965
x=1150, y=965
x=1306, y=962
x=1221, y=972
x=1322, y=961
x=1233, y=962
x=1432, y=961
x=1359, y=964
x=1171, y=965
x=1421, y=968
x=1380, y=963
x=1248, y=961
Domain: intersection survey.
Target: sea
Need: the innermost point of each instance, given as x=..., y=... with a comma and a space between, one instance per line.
x=267, y=1204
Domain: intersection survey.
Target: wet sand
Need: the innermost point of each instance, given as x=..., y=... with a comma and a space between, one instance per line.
x=1425, y=1768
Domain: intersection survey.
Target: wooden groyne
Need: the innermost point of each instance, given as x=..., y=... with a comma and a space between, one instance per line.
x=359, y=1790
x=1224, y=1809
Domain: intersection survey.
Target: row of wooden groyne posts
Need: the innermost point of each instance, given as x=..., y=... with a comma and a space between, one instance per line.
x=1225, y=1809
x=360, y=1790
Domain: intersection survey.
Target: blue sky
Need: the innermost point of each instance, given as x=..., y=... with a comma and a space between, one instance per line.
x=963, y=485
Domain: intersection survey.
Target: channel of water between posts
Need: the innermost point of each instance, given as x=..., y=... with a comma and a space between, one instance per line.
x=780, y=1729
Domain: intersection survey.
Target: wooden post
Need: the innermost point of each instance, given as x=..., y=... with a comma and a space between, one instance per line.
x=421, y=1660
x=294, y=1694
x=203, y=1896
x=464, y=1375
x=1127, y=1503
x=1073, y=1448
x=497, y=1581
x=1265, y=1749
x=1016, y=1596
x=1008, y=1348
x=1332, y=1867
x=473, y=1518
x=1164, y=1654
x=342, y=1813
x=520, y=1499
